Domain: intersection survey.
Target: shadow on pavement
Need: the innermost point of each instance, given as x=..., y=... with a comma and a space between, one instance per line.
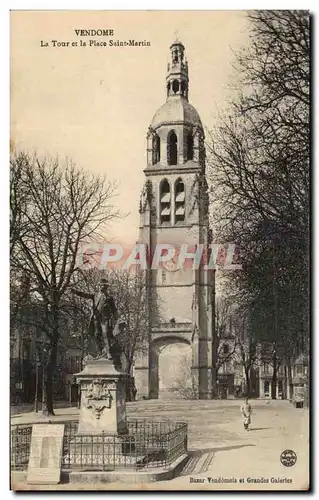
x=199, y=461
x=258, y=428
x=215, y=450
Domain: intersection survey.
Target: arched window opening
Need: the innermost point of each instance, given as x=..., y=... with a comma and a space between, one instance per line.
x=183, y=87
x=179, y=201
x=175, y=56
x=165, y=202
x=172, y=148
x=190, y=147
x=156, y=149
x=175, y=86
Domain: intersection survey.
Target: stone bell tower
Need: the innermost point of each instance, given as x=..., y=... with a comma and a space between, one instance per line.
x=174, y=210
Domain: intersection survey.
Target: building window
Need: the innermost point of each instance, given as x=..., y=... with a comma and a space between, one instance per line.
x=175, y=86
x=26, y=349
x=299, y=369
x=266, y=388
x=280, y=386
x=156, y=149
x=179, y=201
x=73, y=364
x=190, y=146
x=266, y=368
x=12, y=345
x=165, y=201
x=225, y=349
x=172, y=148
x=227, y=367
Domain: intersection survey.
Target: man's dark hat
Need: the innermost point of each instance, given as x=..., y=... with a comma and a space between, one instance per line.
x=104, y=281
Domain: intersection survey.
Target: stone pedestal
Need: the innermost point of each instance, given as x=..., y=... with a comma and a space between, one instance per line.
x=102, y=398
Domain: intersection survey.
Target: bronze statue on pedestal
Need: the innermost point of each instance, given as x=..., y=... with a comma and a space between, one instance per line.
x=104, y=325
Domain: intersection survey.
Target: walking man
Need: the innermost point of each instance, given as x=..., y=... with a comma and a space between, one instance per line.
x=246, y=411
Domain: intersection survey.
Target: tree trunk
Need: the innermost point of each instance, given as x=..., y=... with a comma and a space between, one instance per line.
x=248, y=388
x=285, y=384
x=214, y=383
x=36, y=387
x=44, y=394
x=274, y=385
x=48, y=410
x=52, y=360
x=274, y=377
x=290, y=386
x=215, y=368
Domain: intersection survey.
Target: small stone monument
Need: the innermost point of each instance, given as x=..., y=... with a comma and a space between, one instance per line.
x=45, y=454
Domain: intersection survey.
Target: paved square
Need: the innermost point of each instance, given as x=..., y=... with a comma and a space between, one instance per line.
x=222, y=450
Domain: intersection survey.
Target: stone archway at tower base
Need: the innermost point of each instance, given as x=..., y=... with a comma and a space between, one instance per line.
x=171, y=375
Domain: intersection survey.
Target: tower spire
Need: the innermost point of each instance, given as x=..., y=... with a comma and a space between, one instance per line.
x=177, y=72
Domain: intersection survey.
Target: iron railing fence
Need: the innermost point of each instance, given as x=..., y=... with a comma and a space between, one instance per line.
x=147, y=444
x=20, y=446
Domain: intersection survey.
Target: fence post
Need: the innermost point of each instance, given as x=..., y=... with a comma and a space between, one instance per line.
x=103, y=444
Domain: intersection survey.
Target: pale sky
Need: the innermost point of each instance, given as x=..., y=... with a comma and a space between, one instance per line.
x=95, y=104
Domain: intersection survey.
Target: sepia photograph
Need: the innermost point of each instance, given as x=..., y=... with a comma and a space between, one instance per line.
x=160, y=250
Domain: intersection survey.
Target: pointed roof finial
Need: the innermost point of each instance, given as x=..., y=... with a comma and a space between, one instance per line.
x=177, y=40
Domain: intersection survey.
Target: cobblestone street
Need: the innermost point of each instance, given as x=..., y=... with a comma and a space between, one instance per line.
x=221, y=449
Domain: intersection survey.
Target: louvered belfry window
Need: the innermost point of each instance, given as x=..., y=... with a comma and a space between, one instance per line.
x=165, y=201
x=179, y=201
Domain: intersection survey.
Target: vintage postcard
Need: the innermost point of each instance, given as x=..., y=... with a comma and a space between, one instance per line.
x=159, y=250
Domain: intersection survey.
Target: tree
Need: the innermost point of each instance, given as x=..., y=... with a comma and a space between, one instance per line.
x=273, y=355
x=186, y=384
x=223, y=338
x=248, y=347
x=65, y=209
x=18, y=199
x=129, y=291
x=259, y=171
x=76, y=312
x=128, y=287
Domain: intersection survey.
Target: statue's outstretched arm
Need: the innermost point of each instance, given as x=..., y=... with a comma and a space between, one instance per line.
x=85, y=295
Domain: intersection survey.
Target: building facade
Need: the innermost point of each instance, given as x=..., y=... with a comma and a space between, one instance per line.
x=174, y=211
x=265, y=380
x=28, y=355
